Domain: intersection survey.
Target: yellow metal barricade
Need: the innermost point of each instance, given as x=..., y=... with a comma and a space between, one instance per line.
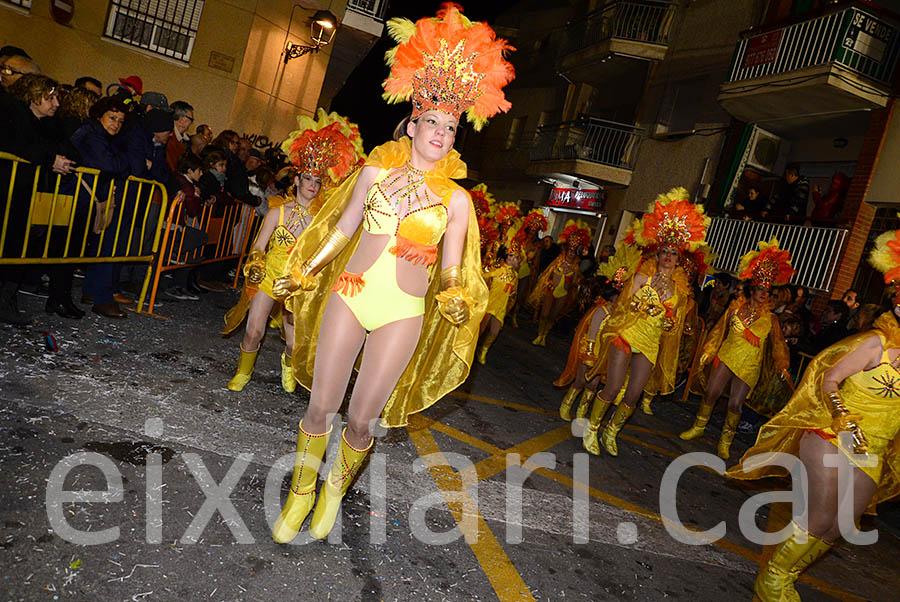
x=229, y=231
x=49, y=212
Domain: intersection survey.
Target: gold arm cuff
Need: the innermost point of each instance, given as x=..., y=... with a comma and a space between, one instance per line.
x=451, y=277
x=328, y=249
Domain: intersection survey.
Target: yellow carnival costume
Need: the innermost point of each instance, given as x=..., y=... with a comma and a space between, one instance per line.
x=446, y=63
x=641, y=320
x=864, y=407
x=562, y=276
x=444, y=356
x=329, y=147
x=502, y=286
x=748, y=340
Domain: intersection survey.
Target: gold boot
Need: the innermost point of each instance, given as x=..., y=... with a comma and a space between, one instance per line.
x=727, y=436
x=244, y=371
x=486, y=343
x=514, y=319
x=310, y=450
x=584, y=404
x=565, y=408
x=589, y=441
x=608, y=438
x=287, y=374
x=544, y=327
x=346, y=465
x=775, y=581
x=696, y=431
x=646, y=400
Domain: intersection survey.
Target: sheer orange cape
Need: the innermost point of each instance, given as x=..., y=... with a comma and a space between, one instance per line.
x=807, y=410
x=444, y=354
x=571, y=370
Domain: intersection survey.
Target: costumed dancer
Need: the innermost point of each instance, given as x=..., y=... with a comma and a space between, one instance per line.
x=640, y=341
x=527, y=243
x=322, y=152
x=506, y=215
x=583, y=350
x=555, y=290
x=501, y=282
x=845, y=406
x=391, y=263
x=696, y=265
x=746, y=337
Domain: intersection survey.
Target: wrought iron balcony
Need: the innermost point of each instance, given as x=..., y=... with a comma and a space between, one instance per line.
x=814, y=251
x=840, y=60
x=589, y=147
x=617, y=29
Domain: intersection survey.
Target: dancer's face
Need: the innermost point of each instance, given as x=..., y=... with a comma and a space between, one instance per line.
x=308, y=186
x=759, y=294
x=667, y=258
x=432, y=135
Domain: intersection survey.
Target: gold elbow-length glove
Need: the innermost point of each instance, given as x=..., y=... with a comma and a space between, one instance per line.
x=255, y=267
x=305, y=276
x=454, y=302
x=843, y=420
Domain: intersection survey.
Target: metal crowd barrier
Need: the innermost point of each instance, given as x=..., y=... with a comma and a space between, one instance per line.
x=53, y=211
x=229, y=233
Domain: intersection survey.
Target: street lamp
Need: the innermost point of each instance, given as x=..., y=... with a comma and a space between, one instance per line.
x=322, y=28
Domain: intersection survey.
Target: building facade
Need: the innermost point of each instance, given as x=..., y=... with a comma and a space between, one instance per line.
x=225, y=57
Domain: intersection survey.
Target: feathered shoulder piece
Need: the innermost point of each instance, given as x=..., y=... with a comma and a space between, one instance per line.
x=769, y=266
x=621, y=266
x=450, y=64
x=885, y=257
x=576, y=233
x=482, y=200
x=328, y=146
x=673, y=220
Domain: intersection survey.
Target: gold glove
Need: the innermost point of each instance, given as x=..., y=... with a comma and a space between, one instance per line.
x=305, y=276
x=255, y=267
x=454, y=303
x=668, y=324
x=843, y=420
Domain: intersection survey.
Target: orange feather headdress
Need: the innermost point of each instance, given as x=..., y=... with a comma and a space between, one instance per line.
x=885, y=257
x=450, y=64
x=482, y=200
x=768, y=267
x=506, y=213
x=672, y=220
x=328, y=146
x=535, y=220
x=576, y=233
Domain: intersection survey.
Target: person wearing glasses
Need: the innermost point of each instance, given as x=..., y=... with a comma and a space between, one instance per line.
x=14, y=67
x=180, y=141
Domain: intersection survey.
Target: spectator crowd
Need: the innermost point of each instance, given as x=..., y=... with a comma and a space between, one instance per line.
x=126, y=131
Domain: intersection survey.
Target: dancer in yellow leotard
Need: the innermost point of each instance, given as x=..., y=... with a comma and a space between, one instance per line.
x=640, y=341
x=847, y=404
x=501, y=282
x=398, y=246
x=554, y=292
x=746, y=336
x=526, y=243
x=325, y=148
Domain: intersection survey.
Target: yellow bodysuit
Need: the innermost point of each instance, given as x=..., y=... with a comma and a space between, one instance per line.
x=279, y=247
x=643, y=336
x=742, y=349
x=374, y=296
x=503, y=285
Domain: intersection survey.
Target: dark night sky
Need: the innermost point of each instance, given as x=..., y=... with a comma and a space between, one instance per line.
x=360, y=98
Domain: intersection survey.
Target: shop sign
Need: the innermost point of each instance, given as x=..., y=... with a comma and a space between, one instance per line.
x=575, y=198
x=762, y=49
x=868, y=36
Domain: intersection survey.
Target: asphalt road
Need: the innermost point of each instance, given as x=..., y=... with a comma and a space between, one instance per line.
x=183, y=472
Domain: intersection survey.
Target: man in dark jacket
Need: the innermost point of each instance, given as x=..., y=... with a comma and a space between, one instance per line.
x=792, y=198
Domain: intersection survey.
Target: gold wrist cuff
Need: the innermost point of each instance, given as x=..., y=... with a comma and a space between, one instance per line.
x=451, y=277
x=328, y=249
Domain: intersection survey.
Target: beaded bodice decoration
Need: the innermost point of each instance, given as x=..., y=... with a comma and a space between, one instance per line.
x=425, y=218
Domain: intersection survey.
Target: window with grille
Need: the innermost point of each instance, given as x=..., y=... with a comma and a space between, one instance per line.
x=26, y=4
x=166, y=27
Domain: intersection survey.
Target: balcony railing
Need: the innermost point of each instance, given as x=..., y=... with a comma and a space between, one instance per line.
x=647, y=22
x=371, y=8
x=588, y=139
x=814, y=251
x=854, y=38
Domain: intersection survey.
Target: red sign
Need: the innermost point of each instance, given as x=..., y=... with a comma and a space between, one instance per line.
x=762, y=49
x=574, y=198
x=61, y=10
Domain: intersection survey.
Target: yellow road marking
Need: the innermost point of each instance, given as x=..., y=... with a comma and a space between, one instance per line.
x=500, y=402
x=504, y=578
